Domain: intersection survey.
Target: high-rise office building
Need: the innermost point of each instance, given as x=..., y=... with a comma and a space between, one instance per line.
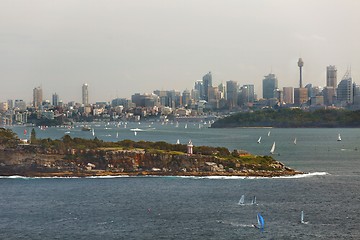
x=199, y=90
x=37, y=97
x=300, y=96
x=232, y=94
x=247, y=94
x=207, y=83
x=288, y=95
x=331, y=76
x=345, y=89
x=55, y=100
x=329, y=95
x=85, y=94
x=270, y=83
x=186, y=98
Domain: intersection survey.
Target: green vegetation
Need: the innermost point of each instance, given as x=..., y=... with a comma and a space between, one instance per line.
x=291, y=118
x=8, y=138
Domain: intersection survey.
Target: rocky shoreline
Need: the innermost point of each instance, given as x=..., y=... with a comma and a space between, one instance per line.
x=28, y=162
x=78, y=157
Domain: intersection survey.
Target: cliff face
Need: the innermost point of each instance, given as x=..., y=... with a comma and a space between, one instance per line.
x=32, y=161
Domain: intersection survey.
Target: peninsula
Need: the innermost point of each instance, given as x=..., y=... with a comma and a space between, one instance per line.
x=291, y=118
x=77, y=157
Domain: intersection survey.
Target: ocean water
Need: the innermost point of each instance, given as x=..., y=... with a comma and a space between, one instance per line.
x=196, y=208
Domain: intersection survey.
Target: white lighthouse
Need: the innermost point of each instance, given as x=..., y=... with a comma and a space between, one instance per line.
x=190, y=148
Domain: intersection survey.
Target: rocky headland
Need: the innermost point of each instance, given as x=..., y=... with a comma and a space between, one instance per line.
x=81, y=158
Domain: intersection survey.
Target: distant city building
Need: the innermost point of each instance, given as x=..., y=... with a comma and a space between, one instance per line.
x=288, y=95
x=300, y=96
x=20, y=105
x=198, y=92
x=85, y=94
x=145, y=100
x=222, y=91
x=331, y=76
x=213, y=97
x=317, y=100
x=10, y=104
x=345, y=89
x=356, y=93
x=4, y=106
x=246, y=94
x=329, y=94
x=207, y=83
x=121, y=102
x=186, y=98
x=232, y=94
x=37, y=97
x=55, y=100
x=270, y=83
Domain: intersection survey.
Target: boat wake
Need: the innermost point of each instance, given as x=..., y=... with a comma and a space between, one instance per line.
x=236, y=224
x=306, y=175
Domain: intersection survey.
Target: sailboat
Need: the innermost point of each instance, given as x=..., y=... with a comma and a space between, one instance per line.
x=295, y=141
x=178, y=141
x=93, y=132
x=272, y=151
x=117, y=135
x=253, y=201
x=269, y=134
x=259, y=140
x=185, y=125
x=260, y=221
x=339, y=137
x=135, y=133
x=242, y=200
x=302, y=218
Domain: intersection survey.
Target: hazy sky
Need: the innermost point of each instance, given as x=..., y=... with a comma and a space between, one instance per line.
x=120, y=47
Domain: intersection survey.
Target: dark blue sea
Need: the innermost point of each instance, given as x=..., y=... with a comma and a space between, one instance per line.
x=195, y=208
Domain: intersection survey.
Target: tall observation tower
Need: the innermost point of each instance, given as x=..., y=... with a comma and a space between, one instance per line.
x=300, y=64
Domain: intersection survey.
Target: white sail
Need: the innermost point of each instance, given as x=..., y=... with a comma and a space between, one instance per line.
x=302, y=217
x=339, y=137
x=93, y=132
x=117, y=135
x=253, y=201
x=178, y=141
x=185, y=125
x=242, y=200
x=295, y=141
x=135, y=133
x=268, y=133
x=272, y=148
x=259, y=140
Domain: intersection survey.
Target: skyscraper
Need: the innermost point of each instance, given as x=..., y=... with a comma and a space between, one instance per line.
x=345, y=90
x=270, y=83
x=207, y=82
x=288, y=95
x=232, y=94
x=55, y=99
x=300, y=96
x=37, y=97
x=331, y=76
x=199, y=90
x=85, y=94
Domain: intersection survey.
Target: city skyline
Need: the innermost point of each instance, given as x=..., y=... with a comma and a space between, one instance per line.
x=120, y=48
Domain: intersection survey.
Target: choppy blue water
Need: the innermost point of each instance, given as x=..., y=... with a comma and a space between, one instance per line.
x=196, y=208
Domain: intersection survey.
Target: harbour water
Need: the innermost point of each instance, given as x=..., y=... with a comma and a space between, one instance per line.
x=195, y=208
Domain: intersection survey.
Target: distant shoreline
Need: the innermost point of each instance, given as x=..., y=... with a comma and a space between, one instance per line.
x=99, y=173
